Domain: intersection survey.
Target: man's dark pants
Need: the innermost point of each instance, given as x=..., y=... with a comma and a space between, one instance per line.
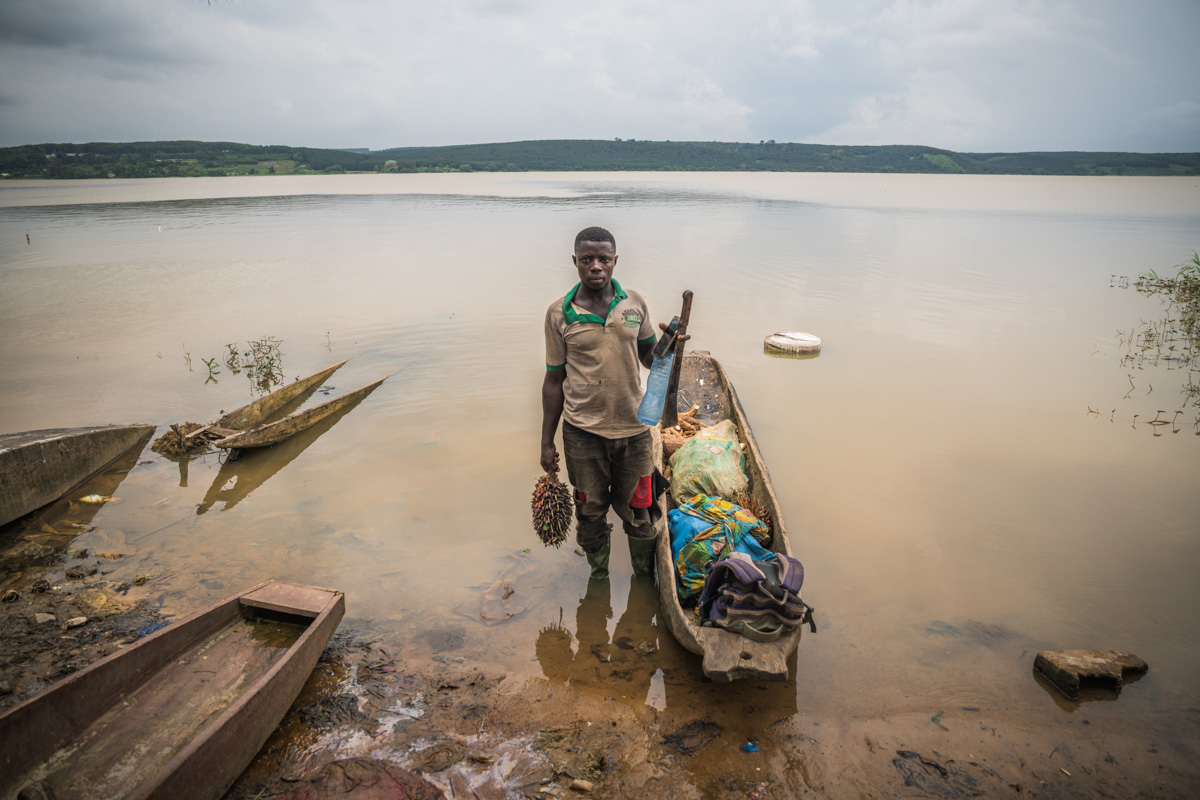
x=606, y=472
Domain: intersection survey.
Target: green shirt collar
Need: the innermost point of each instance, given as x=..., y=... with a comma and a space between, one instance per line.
x=571, y=315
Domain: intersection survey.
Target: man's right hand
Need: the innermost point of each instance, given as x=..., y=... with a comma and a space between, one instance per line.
x=549, y=457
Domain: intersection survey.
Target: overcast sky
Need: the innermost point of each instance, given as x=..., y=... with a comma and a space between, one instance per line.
x=967, y=75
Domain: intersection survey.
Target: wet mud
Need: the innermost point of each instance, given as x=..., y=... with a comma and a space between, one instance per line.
x=60, y=611
x=476, y=733
x=51, y=629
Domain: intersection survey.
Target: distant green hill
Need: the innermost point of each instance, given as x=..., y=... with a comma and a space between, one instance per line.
x=188, y=158
x=175, y=159
x=783, y=157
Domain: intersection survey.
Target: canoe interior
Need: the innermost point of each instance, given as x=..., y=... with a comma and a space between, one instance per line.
x=181, y=699
x=727, y=656
x=136, y=727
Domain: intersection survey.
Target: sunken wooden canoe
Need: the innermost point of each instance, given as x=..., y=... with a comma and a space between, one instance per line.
x=276, y=432
x=253, y=414
x=181, y=713
x=727, y=656
x=38, y=467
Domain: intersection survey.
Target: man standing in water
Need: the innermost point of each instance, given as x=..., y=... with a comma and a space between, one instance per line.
x=597, y=335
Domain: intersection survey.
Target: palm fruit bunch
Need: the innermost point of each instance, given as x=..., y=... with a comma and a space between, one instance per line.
x=759, y=510
x=552, y=510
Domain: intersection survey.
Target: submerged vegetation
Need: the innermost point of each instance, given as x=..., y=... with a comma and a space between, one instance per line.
x=1170, y=342
x=194, y=158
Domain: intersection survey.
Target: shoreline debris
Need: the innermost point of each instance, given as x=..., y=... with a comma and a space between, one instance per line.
x=1067, y=670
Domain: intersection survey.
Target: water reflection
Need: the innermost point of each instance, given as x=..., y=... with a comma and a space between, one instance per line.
x=240, y=476
x=36, y=541
x=637, y=666
x=1089, y=692
x=623, y=663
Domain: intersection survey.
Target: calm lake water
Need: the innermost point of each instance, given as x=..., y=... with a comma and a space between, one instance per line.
x=954, y=502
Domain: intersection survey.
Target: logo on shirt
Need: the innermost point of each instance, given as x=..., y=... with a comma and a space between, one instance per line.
x=632, y=319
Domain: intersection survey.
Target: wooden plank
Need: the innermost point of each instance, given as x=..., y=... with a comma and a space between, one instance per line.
x=291, y=598
x=198, y=432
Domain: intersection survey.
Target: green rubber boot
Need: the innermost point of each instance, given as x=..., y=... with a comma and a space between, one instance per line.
x=598, y=561
x=641, y=553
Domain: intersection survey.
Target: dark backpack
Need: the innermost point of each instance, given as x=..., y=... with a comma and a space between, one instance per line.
x=758, y=599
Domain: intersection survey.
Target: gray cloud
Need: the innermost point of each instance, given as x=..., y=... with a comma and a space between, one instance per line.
x=107, y=32
x=981, y=75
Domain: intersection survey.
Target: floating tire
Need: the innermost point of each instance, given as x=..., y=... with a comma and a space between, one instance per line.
x=792, y=343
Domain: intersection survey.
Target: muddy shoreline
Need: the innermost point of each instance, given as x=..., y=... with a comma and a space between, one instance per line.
x=473, y=732
x=436, y=711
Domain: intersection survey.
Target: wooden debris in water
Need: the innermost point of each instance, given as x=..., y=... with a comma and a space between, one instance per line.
x=174, y=444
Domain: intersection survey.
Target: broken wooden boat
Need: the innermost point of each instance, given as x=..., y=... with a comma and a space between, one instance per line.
x=254, y=414
x=276, y=432
x=727, y=656
x=38, y=467
x=180, y=713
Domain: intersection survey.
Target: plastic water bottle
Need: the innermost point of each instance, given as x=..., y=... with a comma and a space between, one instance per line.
x=651, y=409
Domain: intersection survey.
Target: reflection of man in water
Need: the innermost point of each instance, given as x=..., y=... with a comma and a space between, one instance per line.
x=623, y=666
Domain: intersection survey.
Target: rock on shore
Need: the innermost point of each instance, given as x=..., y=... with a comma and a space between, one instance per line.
x=1068, y=669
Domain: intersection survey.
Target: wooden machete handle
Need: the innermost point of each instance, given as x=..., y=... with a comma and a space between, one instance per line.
x=670, y=417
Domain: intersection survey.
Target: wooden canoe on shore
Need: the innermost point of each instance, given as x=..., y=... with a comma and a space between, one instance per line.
x=38, y=467
x=276, y=432
x=727, y=656
x=180, y=713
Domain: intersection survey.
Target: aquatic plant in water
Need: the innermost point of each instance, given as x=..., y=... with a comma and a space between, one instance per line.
x=1171, y=342
x=262, y=361
x=213, y=370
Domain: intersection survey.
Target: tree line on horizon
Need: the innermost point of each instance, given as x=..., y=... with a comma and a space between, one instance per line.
x=195, y=158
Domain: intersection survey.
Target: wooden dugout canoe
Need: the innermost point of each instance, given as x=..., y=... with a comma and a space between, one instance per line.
x=253, y=414
x=727, y=656
x=180, y=713
x=38, y=467
x=276, y=432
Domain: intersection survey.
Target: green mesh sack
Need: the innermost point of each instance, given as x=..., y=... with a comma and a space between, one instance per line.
x=709, y=463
